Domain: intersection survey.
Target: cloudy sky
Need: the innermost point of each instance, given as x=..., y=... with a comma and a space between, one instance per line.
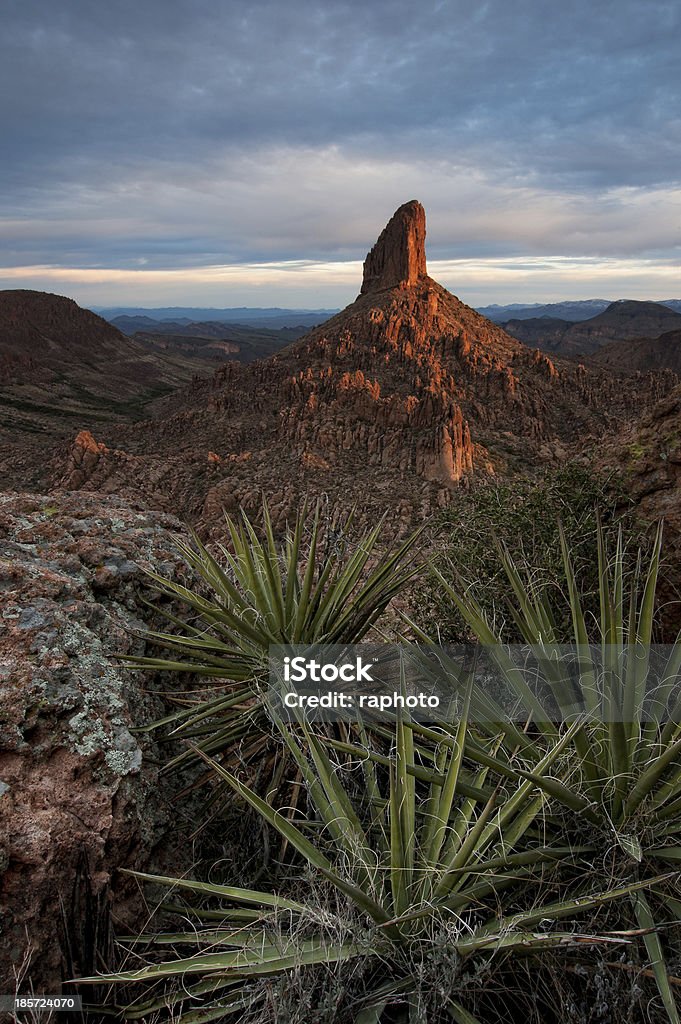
x=213, y=152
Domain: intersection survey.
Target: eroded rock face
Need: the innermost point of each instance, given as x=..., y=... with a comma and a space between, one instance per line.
x=398, y=260
x=80, y=793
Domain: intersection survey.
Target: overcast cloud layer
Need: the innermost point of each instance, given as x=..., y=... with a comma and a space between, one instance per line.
x=229, y=153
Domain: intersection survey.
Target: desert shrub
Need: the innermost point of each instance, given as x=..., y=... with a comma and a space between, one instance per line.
x=415, y=899
x=524, y=516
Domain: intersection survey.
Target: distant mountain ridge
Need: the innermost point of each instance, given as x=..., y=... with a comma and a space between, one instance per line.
x=621, y=321
x=572, y=310
x=272, y=317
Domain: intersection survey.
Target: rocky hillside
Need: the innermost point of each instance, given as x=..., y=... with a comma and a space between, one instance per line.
x=63, y=368
x=394, y=403
x=646, y=458
x=47, y=338
x=544, y=332
x=640, y=355
x=216, y=341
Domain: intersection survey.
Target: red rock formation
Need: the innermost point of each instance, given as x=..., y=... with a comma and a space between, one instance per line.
x=398, y=260
x=398, y=401
x=83, y=458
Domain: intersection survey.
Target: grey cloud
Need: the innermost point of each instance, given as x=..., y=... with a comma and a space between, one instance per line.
x=539, y=79
x=136, y=130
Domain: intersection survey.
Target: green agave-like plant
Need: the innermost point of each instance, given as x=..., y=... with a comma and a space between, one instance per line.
x=425, y=879
x=623, y=773
x=444, y=845
x=315, y=588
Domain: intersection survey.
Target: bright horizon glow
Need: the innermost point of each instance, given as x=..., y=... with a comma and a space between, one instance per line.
x=293, y=283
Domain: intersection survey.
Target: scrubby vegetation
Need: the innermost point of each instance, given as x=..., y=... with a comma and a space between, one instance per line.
x=523, y=516
x=473, y=870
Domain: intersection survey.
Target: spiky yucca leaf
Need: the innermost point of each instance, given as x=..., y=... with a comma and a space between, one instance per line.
x=444, y=867
x=624, y=775
x=316, y=587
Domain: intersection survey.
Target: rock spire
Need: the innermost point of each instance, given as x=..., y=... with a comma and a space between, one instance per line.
x=398, y=259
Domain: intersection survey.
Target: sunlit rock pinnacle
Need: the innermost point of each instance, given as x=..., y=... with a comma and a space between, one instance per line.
x=399, y=257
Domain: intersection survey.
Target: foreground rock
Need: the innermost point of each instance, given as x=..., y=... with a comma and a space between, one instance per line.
x=79, y=792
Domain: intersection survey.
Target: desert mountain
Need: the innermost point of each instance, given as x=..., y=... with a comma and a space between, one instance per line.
x=43, y=334
x=544, y=332
x=397, y=401
x=571, y=310
x=62, y=367
x=621, y=321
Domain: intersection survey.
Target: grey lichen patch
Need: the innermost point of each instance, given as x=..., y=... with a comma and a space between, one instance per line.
x=100, y=727
x=91, y=733
x=124, y=762
x=88, y=734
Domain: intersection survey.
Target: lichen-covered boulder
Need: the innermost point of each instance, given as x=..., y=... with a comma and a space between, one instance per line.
x=80, y=793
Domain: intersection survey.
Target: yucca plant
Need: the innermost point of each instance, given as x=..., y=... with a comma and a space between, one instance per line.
x=422, y=884
x=622, y=774
x=314, y=588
